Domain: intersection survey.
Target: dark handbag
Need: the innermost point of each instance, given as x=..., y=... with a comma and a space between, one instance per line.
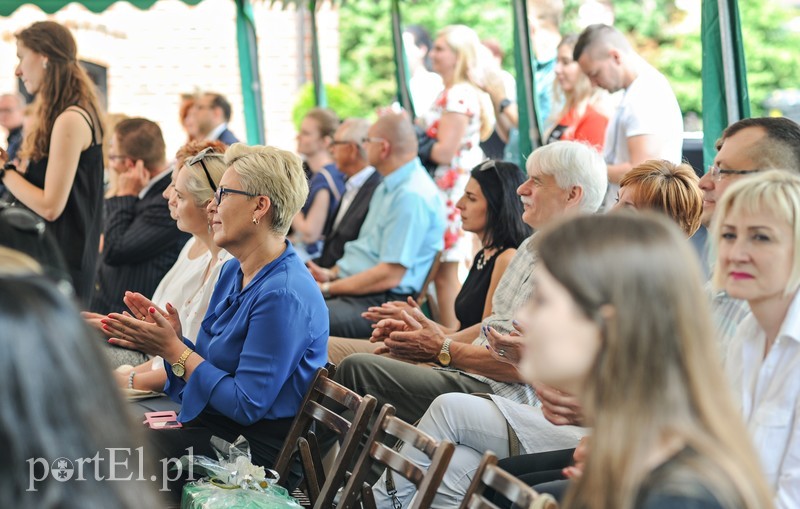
x=424, y=151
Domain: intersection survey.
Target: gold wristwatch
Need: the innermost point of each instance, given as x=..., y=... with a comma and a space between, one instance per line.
x=179, y=368
x=444, y=354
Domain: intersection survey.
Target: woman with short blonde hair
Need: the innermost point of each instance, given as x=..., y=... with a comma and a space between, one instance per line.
x=265, y=332
x=756, y=237
x=664, y=187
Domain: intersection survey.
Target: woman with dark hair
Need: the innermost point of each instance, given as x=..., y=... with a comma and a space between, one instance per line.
x=63, y=180
x=58, y=401
x=491, y=209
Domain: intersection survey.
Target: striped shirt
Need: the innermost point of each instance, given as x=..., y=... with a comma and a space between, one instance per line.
x=513, y=291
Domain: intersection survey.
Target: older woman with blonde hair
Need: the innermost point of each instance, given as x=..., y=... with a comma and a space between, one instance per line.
x=266, y=329
x=461, y=116
x=756, y=236
x=664, y=187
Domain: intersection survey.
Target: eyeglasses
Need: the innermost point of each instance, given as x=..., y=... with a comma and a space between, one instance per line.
x=222, y=191
x=372, y=139
x=112, y=157
x=198, y=158
x=343, y=142
x=488, y=165
x=717, y=173
x=23, y=220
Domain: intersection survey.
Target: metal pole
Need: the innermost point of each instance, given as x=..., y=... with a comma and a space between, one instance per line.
x=728, y=66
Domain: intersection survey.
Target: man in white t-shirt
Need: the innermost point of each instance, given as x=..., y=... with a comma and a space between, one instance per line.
x=647, y=123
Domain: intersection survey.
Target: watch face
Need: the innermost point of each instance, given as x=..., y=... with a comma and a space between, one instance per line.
x=178, y=370
x=444, y=358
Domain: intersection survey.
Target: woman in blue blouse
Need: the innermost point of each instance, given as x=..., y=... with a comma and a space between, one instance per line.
x=266, y=329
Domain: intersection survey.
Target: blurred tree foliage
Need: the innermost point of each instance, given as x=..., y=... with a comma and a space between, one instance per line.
x=659, y=29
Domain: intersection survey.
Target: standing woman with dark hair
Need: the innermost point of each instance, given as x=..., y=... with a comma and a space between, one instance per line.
x=63, y=181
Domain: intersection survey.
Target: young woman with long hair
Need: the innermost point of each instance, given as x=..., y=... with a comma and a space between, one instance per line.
x=61, y=177
x=619, y=318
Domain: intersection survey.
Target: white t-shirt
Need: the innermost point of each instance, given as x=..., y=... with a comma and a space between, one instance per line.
x=648, y=106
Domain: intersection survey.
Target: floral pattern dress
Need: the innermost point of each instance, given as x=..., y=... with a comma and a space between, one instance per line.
x=452, y=178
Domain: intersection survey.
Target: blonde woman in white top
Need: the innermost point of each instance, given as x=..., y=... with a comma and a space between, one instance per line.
x=186, y=289
x=756, y=232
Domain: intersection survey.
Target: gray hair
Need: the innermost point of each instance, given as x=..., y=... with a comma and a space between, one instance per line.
x=572, y=164
x=355, y=129
x=271, y=172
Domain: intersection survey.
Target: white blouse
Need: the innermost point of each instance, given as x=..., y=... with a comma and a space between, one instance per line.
x=184, y=288
x=768, y=390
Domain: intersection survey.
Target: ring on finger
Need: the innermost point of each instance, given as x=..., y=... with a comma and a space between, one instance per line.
x=501, y=353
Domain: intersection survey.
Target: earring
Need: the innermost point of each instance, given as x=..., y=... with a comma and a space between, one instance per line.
x=44, y=64
x=255, y=220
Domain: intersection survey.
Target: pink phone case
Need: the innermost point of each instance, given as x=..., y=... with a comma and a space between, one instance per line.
x=162, y=420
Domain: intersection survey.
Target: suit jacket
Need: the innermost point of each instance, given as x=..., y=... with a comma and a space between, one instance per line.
x=141, y=243
x=350, y=225
x=227, y=137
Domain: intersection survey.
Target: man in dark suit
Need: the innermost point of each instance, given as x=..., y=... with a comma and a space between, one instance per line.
x=362, y=179
x=140, y=239
x=212, y=113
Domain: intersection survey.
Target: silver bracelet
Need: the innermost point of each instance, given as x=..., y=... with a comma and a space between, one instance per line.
x=130, y=379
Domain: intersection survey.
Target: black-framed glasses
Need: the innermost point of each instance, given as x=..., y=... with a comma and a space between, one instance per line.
x=199, y=158
x=222, y=191
x=23, y=220
x=717, y=173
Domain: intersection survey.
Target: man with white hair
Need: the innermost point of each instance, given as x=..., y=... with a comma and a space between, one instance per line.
x=647, y=123
x=564, y=178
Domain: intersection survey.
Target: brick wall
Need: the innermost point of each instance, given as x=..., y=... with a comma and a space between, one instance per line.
x=153, y=56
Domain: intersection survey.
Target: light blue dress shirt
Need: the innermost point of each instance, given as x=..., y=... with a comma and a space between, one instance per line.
x=405, y=225
x=262, y=345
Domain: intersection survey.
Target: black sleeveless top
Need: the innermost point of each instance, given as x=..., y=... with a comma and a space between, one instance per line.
x=471, y=300
x=78, y=228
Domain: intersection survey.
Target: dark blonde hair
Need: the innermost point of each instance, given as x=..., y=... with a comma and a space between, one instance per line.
x=65, y=84
x=669, y=188
x=657, y=373
x=326, y=119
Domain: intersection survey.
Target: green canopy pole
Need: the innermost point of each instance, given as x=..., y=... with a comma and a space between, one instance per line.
x=248, y=64
x=400, y=61
x=725, y=96
x=530, y=137
x=320, y=98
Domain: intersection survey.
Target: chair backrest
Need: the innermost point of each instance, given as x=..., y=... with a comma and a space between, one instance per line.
x=517, y=492
x=312, y=411
x=375, y=451
x=423, y=296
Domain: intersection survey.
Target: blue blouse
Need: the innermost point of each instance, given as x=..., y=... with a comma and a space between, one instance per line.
x=262, y=345
x=318, y=183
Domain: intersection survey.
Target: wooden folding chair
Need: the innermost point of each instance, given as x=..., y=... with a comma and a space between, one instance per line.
x=423, y=297
x=517, y=492
x=302, y=439
x=376, y=451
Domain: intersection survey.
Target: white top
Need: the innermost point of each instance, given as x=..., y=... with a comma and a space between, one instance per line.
x=648, y=106
x=183, y=287
x=352, y=186
x=768, y=390
x=424, y=86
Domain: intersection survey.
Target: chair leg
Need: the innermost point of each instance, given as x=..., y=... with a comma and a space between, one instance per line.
x=367, y=497
x=309, y=470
